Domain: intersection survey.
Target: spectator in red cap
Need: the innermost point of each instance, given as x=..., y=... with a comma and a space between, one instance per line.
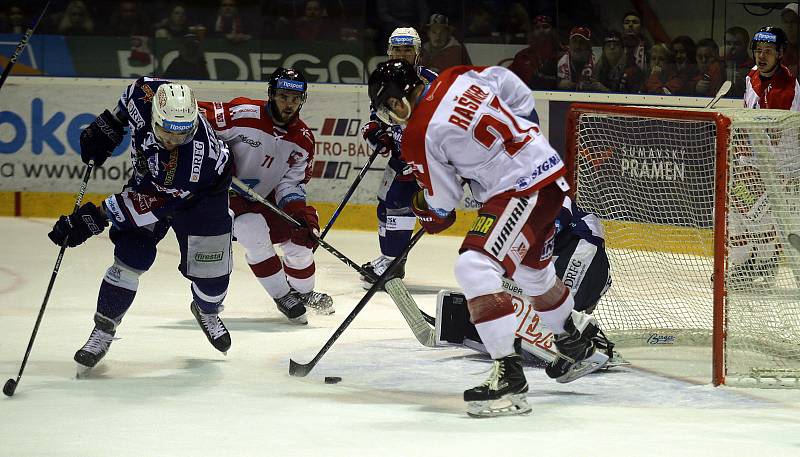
x=442, y=50
x=576, y=67
x=536, y=65
x=615, y=71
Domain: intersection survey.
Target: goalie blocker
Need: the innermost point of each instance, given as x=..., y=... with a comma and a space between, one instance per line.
x=581, y=263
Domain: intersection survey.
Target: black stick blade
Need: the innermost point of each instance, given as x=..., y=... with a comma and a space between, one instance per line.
x=10, y=387
x=298, y=369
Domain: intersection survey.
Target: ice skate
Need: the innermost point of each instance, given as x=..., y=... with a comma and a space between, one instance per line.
x=291, y=305
x=97, y=346
x=378, y=266
x=578, y=355
x=319, y=302
x=503, y=394
x=213, y=328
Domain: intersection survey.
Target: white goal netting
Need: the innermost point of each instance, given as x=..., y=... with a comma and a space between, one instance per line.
x=652, y=176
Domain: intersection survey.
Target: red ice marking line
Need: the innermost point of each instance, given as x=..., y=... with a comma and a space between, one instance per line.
x=17, y=280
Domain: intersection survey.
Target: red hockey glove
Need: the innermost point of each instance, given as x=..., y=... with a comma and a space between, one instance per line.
x=307, y=234
x=377, y=137
x=433, y=220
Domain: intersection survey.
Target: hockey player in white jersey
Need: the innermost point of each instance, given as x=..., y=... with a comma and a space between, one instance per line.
x=273, y=150
x=395, y=218
x=474, y=124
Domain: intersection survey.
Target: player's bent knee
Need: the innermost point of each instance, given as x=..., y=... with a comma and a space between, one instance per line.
x=477, y=274
x=251, y=230
x=535, y=282
x=297, y=256
x=122, y=275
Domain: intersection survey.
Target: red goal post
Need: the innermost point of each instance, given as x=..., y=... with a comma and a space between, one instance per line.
x=667, y=184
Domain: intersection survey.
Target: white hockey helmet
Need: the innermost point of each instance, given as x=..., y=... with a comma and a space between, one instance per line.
x=405, y=36
x=174, y=118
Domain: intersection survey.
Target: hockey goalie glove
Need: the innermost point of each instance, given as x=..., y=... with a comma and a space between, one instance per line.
x=78, y=227
x=308, y=233
x=433, y=220
x=100, y=138
x=377, y=137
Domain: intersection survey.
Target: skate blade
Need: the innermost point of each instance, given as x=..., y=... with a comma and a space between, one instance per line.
x=508, y=405
x=616, y=360
x=302, y=320
x=324, y=311
x=580, y=369
x=83, y=372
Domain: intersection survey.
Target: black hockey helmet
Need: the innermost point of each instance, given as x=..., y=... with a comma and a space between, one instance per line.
x=394, y=78
x=772, y=35
x=289, y=79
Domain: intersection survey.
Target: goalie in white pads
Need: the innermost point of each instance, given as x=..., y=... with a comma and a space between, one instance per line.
x=479, y=125
x=273, y=151
x=581, y=263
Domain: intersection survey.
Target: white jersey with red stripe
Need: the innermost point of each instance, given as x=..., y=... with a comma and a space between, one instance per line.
x=469, y=125
x=780, y=91
x=267, y=157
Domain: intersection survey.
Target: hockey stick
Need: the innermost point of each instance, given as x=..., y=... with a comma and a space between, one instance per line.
x=302, y=369
x=349, y=193
x=415, y=318
x=396, y=289
x=11, y=385
x=726, y=86
x=22, y=43
x=244, y=189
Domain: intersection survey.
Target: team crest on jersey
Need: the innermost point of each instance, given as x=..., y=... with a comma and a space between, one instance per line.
x=148, y=93
x=294, y=157
x=482, y=225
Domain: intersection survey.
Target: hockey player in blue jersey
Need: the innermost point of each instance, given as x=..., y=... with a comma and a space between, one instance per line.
x=395, y=219
x=181, y=176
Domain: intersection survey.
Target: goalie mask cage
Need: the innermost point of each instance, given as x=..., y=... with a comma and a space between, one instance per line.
x=699, y=208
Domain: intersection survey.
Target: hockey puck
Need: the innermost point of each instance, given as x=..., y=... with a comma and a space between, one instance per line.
x=332, y=379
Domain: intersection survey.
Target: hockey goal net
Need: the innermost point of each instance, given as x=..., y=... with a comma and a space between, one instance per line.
x=701, y=210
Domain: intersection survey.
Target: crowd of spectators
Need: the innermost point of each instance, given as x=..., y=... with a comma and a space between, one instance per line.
x=570, y=53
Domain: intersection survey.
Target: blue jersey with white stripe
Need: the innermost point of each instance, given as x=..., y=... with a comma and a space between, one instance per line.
x=576, y=222
x=162, y=179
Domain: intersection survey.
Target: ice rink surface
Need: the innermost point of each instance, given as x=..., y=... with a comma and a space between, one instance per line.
x=164, y=391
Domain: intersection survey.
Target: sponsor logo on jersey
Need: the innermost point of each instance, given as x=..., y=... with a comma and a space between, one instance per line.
x=219, y=114
x=142, y=203
x=134, y=114
x=215, y=256
x=550, y=163
x=111, y=206
x=245, y=111
x=510, y=223
x=170, y=167
x=482, y=225
x=249, y=141
x=290, y=85
x=655, y=338
x=197, y=160
x=572, y=275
